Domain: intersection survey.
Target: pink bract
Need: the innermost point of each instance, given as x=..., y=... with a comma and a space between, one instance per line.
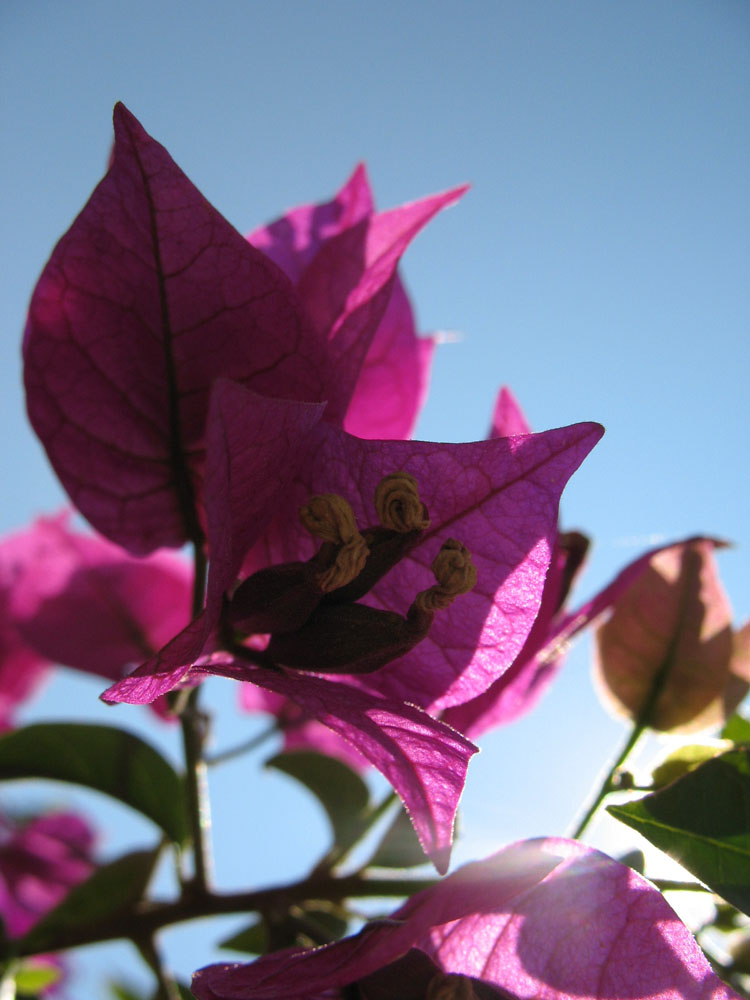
x=393, y=379
x=22, y=669
x=149, y=298
x=500, y=496
x=40, y=861
x=508, y=418
x=78, y=600
x=544, y=918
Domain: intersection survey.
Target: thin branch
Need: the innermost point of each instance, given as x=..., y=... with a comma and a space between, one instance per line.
x=146, y=920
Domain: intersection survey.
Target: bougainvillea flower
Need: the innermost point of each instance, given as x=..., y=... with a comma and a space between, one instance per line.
x=393, y=379
x=501, y=496
x=498, y=498
x=77, y=600
x=672, y=629
x=519, y=689
x=149, y=298
x=40, y=862
x=544, y=918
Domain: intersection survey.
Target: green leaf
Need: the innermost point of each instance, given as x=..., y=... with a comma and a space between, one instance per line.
x=33, y=977
x=120, y=991
x=184, y=992
x=252, y=940
x=635, y=860
x=737, y=729
x=110, y=892
x=702, y=820
x=303, y=925
x=685, y=759
x=400, y=847
x=339, y=789
x=107, y=759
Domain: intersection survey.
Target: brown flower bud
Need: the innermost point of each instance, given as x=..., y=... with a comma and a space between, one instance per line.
x=349, y=639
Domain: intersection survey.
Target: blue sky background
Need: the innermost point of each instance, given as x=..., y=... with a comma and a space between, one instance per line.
x=599, y=266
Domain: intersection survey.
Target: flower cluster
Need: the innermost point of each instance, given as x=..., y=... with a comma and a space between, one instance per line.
x=387, y=600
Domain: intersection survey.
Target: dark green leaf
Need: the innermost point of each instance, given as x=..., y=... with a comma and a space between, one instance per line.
x=104, y=758
x=253, y=940
x=110, y=892
x=400, y=847
x=339, y=789
x=702, y=820
x=319, y=922
x=737, y=729
x=303, y=925
x=727, y=918
x=634, y=860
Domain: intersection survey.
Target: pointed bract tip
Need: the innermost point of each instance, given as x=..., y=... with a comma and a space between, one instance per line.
x=441, y=859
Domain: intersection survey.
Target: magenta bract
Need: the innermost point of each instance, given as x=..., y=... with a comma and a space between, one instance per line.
x=393, y=378
x=499, y=498
x=547, y=918
x=508, y=418
x=149, y=298
x=40, y=861
x=80, y=601
x=22, y=669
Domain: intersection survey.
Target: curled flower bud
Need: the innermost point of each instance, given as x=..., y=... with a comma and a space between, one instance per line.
x=455, y=574
x=398, y=505
x=331, y=518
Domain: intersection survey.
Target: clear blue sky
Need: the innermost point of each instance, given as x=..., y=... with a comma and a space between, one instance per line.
x=599, y=266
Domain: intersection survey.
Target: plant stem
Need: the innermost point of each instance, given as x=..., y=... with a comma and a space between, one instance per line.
x=199, y=583
x=640, y=725
x=145, y=920
x=196, y=786
x=166, y=986
x=608, y=785
x=194, y=723
x=236, y=751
